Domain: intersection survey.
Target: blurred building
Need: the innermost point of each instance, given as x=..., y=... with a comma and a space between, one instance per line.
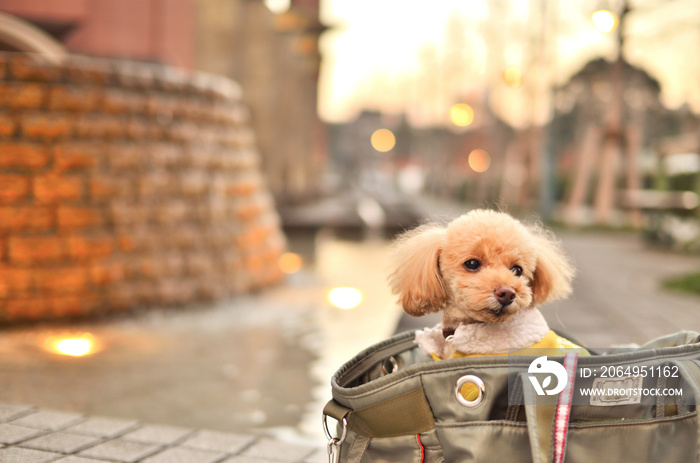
x=600, y=159
x=160, y=31
x=275, y=57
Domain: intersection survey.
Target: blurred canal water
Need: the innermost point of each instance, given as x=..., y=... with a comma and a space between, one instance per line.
x=256, y=363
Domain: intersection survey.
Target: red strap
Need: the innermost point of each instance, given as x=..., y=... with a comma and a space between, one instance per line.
x=422, y=449
x=563, y=411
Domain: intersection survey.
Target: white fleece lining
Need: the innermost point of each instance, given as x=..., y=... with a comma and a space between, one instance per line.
x=522, y=330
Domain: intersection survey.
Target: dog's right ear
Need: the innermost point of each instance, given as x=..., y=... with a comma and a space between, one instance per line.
x=415, y=275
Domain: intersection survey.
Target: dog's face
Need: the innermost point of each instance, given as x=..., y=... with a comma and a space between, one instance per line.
x=484, y=266
x=488, y=263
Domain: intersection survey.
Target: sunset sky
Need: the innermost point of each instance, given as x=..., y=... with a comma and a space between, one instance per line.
x=421, y=57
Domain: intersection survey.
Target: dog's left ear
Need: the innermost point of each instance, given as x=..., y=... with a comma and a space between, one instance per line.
x=553, y=273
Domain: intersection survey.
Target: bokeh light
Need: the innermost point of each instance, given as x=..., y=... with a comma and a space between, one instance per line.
x=461, y=115
x=290, y=262
x=73, y=346
x=345, y=298
x=278, y=6
x=513, y=76
x=604, y=20
x=383, y=140
x=479, y=161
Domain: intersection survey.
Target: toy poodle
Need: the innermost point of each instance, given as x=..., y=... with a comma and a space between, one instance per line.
x=487, y=273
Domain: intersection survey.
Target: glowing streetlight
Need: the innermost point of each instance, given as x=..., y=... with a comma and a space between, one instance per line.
x=461, y=114
x=604, y=20
x=383, y=140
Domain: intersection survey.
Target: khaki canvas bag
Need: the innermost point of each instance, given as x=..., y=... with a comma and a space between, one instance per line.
x=394, y=404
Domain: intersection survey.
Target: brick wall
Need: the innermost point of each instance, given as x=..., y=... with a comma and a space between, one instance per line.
x=126, y=185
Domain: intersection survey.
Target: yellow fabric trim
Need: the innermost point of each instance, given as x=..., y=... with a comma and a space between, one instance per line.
x=551, y=340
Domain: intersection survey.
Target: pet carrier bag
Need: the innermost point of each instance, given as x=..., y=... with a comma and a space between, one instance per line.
x=392, y=403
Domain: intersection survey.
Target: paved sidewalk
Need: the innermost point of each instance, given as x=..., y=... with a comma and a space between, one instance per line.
x=30, y=435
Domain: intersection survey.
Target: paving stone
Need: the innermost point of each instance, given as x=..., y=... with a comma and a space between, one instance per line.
x=272, y=449
x=10, y=412
x=11, y=434
x=244, y=459
x=18, y=455
x=103, y=427
x=62, y=442
x=121, y=450
x=319, y=456
x=74, y=459
x=157, y=434
x=183, y=455
x=48, y=420
x=218, y=441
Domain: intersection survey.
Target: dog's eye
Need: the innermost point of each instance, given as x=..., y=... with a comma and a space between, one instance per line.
x=472, y=264
x=518, y=270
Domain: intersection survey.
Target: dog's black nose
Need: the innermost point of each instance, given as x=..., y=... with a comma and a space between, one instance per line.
x=504, y=294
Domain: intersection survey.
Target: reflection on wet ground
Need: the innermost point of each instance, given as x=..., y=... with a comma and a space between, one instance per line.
x=259, y=362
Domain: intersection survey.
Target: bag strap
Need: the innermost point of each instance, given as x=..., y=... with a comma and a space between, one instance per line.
x=407, y=414
x=548, y=416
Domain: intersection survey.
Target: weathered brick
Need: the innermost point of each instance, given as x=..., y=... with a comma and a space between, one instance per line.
x=14, y=281
x=27, y=308
x=248, y=212
x=104, y=186
x=103, y=274
x=73, y=305
x=243, y=187
x=3, y=66
x=31, y=250
x=126, y=156
x=177, y=290
x=194, y=183
x=172, y=212
x=22, y=95
x=71, y=156
x=46, y=125
x=62, y=280
x=23, y=155
x=200, y=263
x=53, y=188
x=73, y=98
x=126, y=213
x=136, y=128
x=116, y=101
x=13, y=188
x=81, y=248
x=77, y=217
x=25, y=67
x=21, y=218
x=98, y=126
x=155, y=184
x=8, y=125
x=166, y=155
x=84, y=70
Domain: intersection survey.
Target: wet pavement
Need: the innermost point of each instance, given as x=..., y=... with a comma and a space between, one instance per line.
x=260, y=364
